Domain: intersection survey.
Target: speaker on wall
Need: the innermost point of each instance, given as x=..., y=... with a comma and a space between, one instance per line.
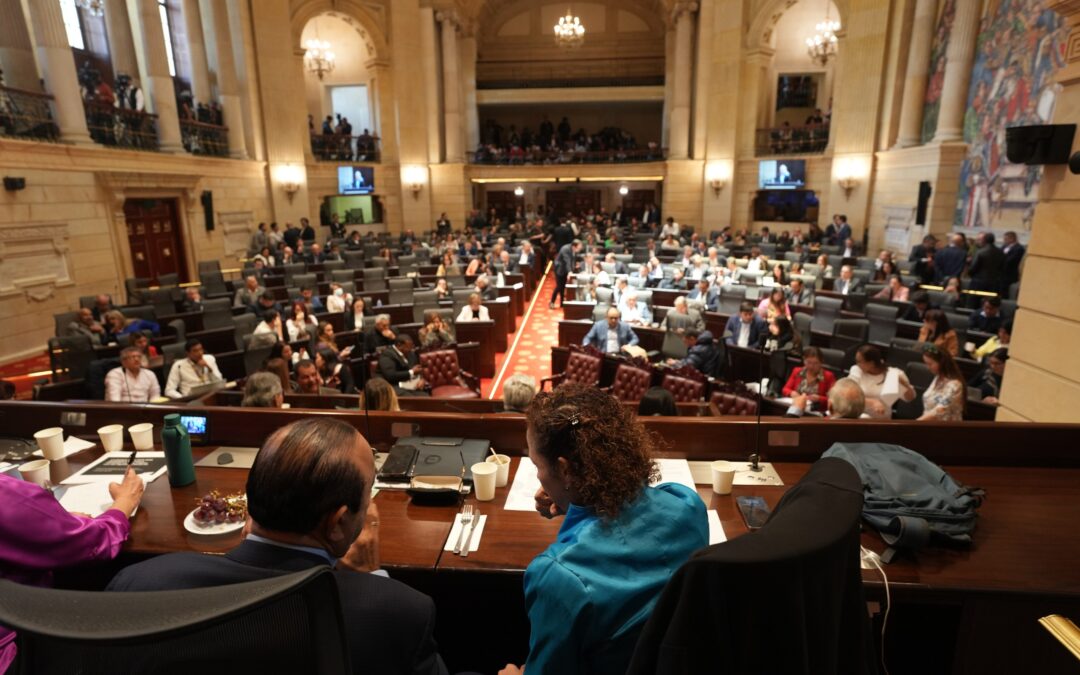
x=1039, y=144
x=208, y=209
x=924, y=200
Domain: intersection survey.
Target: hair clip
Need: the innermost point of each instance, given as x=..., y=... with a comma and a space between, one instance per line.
x=575, y=420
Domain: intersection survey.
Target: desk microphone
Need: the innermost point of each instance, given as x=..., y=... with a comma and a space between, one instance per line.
x=755, y=458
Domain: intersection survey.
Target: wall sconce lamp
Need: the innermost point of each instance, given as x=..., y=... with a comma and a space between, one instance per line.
x=847, y=184
x=519, y=191
x=290, y=177
x=414, y=177
x=717, y=174
x=624, y=190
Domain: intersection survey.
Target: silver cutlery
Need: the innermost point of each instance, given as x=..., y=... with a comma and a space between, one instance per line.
x=468, y=540
x=466, y=518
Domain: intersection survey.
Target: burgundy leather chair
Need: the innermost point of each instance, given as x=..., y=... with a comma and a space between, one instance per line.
x=686, y=384
x=583, y=367
x=445, y=377
x=733, y=404
x=631, y=382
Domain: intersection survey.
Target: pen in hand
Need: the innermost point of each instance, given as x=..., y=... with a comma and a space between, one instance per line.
x=131, y=459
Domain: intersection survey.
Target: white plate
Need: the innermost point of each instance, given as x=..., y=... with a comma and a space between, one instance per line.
x=223, y=528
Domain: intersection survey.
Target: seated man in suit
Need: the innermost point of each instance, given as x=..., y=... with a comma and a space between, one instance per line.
x=706, y=296
x=314, y=255
x=249, y=294
x=510, y=266
x=313, y=302
x=309, y=381
x=681, y=318
x=677, y=282
x=265, y=303
x=611, y=335
x=309, y=499
x=848, y=283
x=620, y=266
x=633, y=312
x=103, y=304
x=486, y=290
x=989, y=319
x=745, y=328
x=380, y=336
x=193, y=301
x=526, y=257
x=703, y=353
x=400, y=366
x=798, y=294
x=85, y=325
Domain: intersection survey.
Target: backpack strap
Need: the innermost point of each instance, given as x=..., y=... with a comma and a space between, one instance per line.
x=904, y=532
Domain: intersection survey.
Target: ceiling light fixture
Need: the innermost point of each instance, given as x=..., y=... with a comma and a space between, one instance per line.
x=822, y=45
x=319, y=57
x=569, y=32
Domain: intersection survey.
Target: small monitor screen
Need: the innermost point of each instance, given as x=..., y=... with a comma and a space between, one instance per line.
x=782, y=174
x=195, y=426
x=356, y=180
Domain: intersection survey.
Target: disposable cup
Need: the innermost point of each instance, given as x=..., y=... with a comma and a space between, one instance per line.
x=484, y=475
x=723, y=475
x=51, y=442
x=502, y=477
x=142, y=435
x=36, y=472
x=112, y=437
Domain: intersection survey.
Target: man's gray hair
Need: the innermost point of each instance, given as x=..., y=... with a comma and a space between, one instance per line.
x=382, y=317
x=680, y=301
x=846, y=400
x=261, y=390
x=518, y=392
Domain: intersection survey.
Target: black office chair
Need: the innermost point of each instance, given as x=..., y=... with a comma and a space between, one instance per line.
x=285, y=624
x=785, y=599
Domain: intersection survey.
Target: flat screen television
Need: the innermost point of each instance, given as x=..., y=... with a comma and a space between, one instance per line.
x=782, y=174
x=356, y=180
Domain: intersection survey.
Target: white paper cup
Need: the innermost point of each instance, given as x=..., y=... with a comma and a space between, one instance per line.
x=142, y=435
x=723, y=475
x=483, y=476
x=502, y=477
x=112, y=437
x=36, y=472
x=51, y=442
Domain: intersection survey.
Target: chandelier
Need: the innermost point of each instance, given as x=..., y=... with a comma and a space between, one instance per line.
x=318, y=57
x=569, y=32
x=822, y=45
x=92, y=7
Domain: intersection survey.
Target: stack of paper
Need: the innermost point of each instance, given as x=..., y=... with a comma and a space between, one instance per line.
x=110, y=468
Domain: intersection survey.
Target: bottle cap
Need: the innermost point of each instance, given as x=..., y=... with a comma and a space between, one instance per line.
x=172, y=420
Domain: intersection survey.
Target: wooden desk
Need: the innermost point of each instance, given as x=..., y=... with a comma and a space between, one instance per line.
x=482, y=333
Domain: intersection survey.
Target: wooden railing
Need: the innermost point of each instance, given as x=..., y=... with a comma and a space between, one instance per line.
x=499, y=156
x=27, y=114
x=343, y=148
x=804, y=140
x=201, y=138
x=120, y=127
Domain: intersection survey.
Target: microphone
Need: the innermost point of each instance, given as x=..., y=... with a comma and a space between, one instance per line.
x=755, y=458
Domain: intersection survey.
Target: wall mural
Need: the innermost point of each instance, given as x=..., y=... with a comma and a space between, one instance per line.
x=936, y=79
x=1021, y=46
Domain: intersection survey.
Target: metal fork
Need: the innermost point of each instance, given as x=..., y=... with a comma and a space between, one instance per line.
x=466, y=518
x=468, y=541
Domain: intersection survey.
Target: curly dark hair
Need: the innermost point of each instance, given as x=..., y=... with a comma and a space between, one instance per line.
x=608, y=450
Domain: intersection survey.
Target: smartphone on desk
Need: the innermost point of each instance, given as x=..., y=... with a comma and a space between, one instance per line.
x=399, y=463
x=754, y=511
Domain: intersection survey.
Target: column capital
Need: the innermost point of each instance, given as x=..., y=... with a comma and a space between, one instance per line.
x=683, y=8
x=448, y=17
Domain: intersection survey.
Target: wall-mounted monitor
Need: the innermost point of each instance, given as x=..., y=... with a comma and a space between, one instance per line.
x=356, y=180
x=782, y=174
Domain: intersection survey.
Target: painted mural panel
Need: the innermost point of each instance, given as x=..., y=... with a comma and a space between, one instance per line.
x=1020, y=48
x=936, y=79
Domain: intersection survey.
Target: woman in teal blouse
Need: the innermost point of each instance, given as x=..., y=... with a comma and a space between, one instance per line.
x=589, y=594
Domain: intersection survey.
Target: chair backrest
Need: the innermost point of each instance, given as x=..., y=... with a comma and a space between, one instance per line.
x=167, y=280
x=732, y=404
x=461, y=296
x=440, y=367
x=217, y=313
x=354, y=260
x=179, y=328
x=333, y=266
x=1008, y=308
x=209, y=266
x=806, y=557
x=212, y=283
x=802, y=323
x=583, y=368
x=407, y=263
x=685, y=384
x=852, y=328
x=255, y=357
x=62, y=320
x=70, y=357
x=308, y=279
x=603, y=295
x=826, y=312
x=161, y=300
x=342, y=276
x=373, y=273
x=902, y=352
x=144, y=312
x=88, y=301
x=245, y=323
x=832, y=357
x=919, y=374
x=631, y=382
x=379, y=263
x=731, y=297
x=401, y=284
x=882, y=320
x=286, y=623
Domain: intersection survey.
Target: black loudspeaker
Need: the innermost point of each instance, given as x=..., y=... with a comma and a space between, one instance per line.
x=924, y=200
x=1039, y=144
x=13, y=184
x=208, y=209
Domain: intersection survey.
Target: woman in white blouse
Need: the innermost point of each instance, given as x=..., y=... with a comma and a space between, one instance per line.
x=881, y=384
x=300, y=326
x=338, y=299
x=473, y=311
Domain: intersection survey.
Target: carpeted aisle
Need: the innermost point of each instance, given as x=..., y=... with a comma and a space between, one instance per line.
x=532, y=354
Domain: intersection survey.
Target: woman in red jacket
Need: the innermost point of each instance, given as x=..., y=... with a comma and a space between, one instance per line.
x=811, y=379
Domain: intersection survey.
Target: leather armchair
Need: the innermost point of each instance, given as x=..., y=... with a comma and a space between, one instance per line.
x=631, y=382
x=723, y=403
x=445, y=377
x=686, y=384
x=583, y=367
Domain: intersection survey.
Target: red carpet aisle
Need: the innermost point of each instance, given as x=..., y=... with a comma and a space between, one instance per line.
x=532, y=356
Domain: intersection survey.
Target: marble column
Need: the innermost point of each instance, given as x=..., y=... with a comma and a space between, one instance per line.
x=16, y=50
x=58, y=70
x=121, y=42
x=433, y=110
x=468, y=76
x=452, y=125
x=159, y=83
x=200, y=71
x=918, y=69
x=228, y=88
x=959, y=56
x=683, y=18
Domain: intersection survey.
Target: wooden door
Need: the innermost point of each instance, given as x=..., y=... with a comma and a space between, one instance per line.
x=153, y=229
x=635, y=201
x=573, y=201
x=504, y=202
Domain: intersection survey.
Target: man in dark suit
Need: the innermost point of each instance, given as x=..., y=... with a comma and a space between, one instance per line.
x=919, y=251
x=1014, y=254
x=745, y=328
x=307, y=232
x=710, y=298
x=400, y=366
x=847, y=283
x=987, y=266
x=291, y=236
x=380, y=336
x=950, y=261
x=612, y=334
x=703, y=353
x=989, y=319
x=564, y=265
x=309, y=498
x=843, y=230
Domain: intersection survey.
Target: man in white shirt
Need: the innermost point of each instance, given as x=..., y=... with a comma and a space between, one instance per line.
x=670, y=227
x=130, y=383
x=526, y=257
x=196, y=369
x=687, y=259
x=634, y=312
